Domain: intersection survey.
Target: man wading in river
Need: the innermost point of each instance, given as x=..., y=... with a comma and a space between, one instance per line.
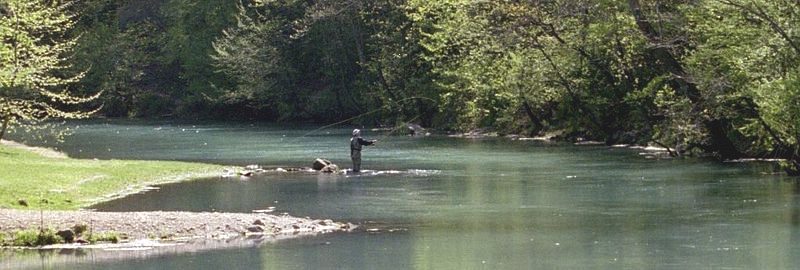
x=355, y=149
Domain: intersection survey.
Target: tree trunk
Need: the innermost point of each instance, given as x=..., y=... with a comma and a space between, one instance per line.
x=359, y=42
x=536, y=126
x=718, y=129
x=4, y=126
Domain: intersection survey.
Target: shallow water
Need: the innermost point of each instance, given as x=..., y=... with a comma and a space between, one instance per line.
x=449, y=203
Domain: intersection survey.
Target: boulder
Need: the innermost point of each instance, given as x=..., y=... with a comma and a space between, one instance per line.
x=255, y=229
x=331, y=168
x=415, y=129
x=67, y=235
x=320, y=163
x=258, y=222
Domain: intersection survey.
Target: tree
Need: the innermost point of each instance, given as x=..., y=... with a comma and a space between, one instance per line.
x=34, y=77
x=665, y=53
x=192, y=26
x=255, y=53
x=747, y=57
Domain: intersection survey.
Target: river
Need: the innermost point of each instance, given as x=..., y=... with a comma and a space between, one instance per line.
x=453, y=203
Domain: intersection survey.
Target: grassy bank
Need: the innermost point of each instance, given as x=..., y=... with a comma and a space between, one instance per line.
x=30, y=179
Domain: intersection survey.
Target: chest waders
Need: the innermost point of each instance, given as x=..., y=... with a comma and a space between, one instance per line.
x=355, y=153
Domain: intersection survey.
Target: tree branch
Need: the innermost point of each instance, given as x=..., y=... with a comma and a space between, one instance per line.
x=759, y=12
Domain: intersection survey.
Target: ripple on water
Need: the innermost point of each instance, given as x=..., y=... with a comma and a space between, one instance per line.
x=409, y=173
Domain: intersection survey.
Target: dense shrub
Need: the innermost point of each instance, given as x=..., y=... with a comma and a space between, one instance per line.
x=31, y=238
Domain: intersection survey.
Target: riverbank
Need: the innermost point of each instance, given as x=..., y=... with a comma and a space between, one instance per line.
x=165, y=226
x=38, y=184
x=40, y=178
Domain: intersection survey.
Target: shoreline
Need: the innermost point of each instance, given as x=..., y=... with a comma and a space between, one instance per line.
x=149, y=185
x=162, y=227
x=128, y=190
x=141, y=229
x=43, y=178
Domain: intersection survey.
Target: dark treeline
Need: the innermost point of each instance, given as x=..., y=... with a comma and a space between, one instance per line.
x=319, y=61
x=700, y=76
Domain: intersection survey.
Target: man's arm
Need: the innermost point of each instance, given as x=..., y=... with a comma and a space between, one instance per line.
x=366, y=142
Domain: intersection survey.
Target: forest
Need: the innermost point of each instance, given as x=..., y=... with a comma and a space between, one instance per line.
x=718, y=77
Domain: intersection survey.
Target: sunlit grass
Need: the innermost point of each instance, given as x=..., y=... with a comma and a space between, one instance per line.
x=52, y=183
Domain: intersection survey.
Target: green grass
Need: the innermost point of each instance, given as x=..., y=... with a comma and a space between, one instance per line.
x=67, y=184
x=111, y=237
x=34, y=238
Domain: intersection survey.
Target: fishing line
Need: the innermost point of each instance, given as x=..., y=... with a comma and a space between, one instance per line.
x=387, y=106
x=340, y=122
x=404, y=124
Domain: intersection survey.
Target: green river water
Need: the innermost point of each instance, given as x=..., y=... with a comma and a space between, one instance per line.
x=452, y=203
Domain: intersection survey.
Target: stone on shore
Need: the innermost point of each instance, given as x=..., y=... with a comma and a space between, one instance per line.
x=167, y=225
x=255, y=229
x=320, y=163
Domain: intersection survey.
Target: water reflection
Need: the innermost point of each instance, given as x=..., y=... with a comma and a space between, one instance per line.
x=795, y=207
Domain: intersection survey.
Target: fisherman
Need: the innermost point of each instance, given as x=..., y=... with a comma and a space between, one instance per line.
x=355, y=149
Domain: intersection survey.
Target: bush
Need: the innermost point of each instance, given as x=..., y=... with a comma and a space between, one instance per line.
x=112, y=237
x=30, y=238
x=79, y=229
x=25, y=238
x=48, y=237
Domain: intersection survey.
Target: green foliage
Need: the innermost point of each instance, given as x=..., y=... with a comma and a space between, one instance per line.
x=34, y=71
x=112, y=237
x=151, y=51
x=779, y=101
x=33, y=238
x=746, y=62
x=719, y=76
x=252, y=54
x=26, y=238
x=79, y=229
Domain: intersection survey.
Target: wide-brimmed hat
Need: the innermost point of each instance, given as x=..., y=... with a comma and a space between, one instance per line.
x=356, y=132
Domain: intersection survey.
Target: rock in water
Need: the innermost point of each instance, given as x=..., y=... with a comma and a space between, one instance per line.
x=415, y=129
x=320, y=163
x=331, y=168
